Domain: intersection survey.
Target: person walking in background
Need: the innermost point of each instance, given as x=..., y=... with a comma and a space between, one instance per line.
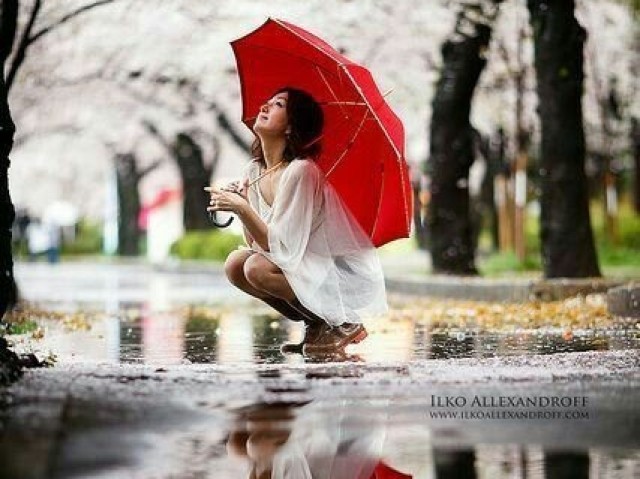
x=43, y=239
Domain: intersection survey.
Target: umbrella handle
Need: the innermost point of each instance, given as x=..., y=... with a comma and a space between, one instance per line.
x=212, y=217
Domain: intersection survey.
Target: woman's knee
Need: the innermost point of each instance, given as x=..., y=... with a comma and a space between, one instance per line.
x=234, y=266
x=255, y=271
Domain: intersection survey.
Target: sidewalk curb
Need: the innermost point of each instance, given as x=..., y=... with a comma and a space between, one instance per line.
x=625, y=300
x=188, y=266
x=507, y=290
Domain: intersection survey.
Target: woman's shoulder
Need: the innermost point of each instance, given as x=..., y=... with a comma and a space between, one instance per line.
x=304, y=166
x=252, y=167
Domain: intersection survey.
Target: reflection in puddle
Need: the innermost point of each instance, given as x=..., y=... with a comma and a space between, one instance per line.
x=305, y=440
x=365, y=436
x=277, y=443
x=143, y=335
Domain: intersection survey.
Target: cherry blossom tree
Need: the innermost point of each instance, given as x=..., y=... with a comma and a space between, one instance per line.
x=452, y=152
x=567, y=239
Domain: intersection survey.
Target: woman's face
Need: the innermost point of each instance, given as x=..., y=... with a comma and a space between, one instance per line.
x=272, y=117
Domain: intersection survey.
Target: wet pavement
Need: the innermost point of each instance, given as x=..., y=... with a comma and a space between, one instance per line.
x=174, y=374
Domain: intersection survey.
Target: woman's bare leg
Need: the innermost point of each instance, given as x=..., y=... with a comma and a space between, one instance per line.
x=234, y=269
x=265, y=276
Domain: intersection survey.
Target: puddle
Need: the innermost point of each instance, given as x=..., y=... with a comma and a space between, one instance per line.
x=315, y=440
x=139, y=334
x=369, y=435
x=341, y=426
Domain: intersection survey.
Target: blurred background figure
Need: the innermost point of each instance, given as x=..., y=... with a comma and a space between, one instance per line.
x=19, y=232
x=43, y=238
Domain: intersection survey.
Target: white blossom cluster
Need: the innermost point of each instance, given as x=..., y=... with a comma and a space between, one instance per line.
x=87, y=88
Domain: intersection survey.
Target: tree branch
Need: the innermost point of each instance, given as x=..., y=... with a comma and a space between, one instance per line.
x=149, y=168
x=146, y=99
x=28, y=39
x=24, y=43
x=66, y=18
x=153, y=130
x=226, y=125
x=8, y=28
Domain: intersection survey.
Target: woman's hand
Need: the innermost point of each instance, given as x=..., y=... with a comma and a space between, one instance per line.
x=232, y=197
x=238, y=187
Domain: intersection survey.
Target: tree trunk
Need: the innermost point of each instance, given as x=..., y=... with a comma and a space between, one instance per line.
x=635, y=149
x=195, y=177
x=10, y=369
x=567, y=239
x=8, y=292
x=452, y=152
x=486, y=201
x=420, y=231
x=522, y=138
x=7, y=211
x=128, y=179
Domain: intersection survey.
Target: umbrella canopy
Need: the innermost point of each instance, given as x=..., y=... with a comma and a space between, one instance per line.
x=363, y=139
x=383, y=471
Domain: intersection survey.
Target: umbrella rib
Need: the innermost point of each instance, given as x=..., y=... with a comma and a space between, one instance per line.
x=375, y=223
x=331, y=53
x=349, y=145
x=348, y=103
x=384, y=130
x=289, y=54
x=399, y=155
x=332, y=92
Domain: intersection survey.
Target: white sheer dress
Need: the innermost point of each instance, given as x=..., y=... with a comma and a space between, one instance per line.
x=327, y=258
x=332, y=446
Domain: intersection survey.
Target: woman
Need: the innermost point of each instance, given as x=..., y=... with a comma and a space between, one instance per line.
x=307, y=257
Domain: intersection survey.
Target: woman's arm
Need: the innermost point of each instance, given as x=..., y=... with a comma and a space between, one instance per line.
x=247, y=236
x=254, y=227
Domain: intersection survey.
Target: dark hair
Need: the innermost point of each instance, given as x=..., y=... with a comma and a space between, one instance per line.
x=306, y=120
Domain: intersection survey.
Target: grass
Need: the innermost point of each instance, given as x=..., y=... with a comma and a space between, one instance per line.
x=21, y=327
x=499, y=264
x=619, y=260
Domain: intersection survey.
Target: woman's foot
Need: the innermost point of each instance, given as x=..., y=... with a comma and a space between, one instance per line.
x=336, y=338
x=314, y=328
x=312, y=333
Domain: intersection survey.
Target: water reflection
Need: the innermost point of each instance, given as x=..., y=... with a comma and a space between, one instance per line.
x=141, y=333
x=306, y=440
x=512, y=461
x=201, y=338
x=277, y=443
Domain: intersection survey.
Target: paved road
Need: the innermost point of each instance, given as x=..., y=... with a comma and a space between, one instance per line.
x=91, y=416
x=145, y=421
x=109, y=284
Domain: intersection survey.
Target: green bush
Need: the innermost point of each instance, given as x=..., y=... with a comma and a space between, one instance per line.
x=628, y=226
x=212, y=245
x=88, y=240
x=610, y=257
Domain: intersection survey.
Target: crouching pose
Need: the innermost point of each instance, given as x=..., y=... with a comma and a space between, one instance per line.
x=306, y=256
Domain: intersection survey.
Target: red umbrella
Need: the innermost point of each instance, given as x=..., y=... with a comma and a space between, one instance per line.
x=363, y=140
x=382, y=471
